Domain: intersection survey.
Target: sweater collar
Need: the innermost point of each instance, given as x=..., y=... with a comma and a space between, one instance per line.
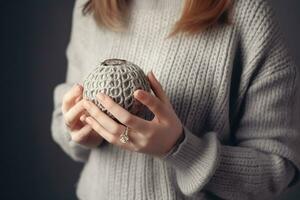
x=157, y=4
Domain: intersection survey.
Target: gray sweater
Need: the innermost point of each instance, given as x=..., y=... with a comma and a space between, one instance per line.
x=233, y=87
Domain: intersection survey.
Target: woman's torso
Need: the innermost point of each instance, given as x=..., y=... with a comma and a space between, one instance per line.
x=195, y=72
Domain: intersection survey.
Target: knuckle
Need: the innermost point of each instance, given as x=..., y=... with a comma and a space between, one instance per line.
x=76, y=138
x=156, y=106
x=173, y=122
x=79, y=104
x=96, y=114
x=97, y=127
x=149, y=136
x=93, y=111
x=148, y=101
x=128, y=120
x=79, y=110
x=79, y=137
x=94, y=124
x=153, y=104
x=118, y=130
x=112, y=140
x=87, y=105
x=109, y=105
x=137, y=148
x=143, y=145
x=167, y=123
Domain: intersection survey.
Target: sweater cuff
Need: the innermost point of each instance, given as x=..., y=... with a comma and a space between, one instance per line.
x=77, y=148
x=195, y=160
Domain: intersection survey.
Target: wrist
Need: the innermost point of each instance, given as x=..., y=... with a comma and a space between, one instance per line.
x=179, y=139
x=177, y=143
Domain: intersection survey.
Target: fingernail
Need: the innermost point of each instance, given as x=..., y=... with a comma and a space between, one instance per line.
x=82, y=118
x=88, y=120
x=135, y=93
x=141, y=94
x=153, y=75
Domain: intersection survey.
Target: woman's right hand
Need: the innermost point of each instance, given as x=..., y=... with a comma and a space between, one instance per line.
x=74, y=118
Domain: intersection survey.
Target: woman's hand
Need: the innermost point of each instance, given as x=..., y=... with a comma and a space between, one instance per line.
x=74, y=114
x=154, y=137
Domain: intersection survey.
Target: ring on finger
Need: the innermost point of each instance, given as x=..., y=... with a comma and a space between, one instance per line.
x=124, y=138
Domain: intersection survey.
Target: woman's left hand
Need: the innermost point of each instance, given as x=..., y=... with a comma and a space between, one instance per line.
x=155, y=137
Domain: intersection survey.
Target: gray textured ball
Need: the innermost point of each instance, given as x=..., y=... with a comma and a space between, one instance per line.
x=118, y=79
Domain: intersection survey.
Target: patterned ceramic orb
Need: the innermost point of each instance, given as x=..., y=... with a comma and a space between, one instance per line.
x=118, y=79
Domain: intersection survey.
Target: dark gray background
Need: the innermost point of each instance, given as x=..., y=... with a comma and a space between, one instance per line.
x=34, y=35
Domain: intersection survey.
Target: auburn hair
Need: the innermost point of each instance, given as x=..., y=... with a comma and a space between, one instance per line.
x=197, y=15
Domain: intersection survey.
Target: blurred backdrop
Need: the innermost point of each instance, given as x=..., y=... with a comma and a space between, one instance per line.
x=34, y=35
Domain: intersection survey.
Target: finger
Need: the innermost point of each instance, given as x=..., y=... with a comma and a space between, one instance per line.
x=79, y=98
x=70, y=97
x=123, y=115
x=82, y=134
x=106, y=122
x=115, y=139
x=157, y=87
x=83, y=117
x=74, y=114
x=111, y=138
x=152, y=102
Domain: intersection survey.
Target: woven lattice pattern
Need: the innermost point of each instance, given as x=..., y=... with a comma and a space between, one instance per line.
x=118, y=79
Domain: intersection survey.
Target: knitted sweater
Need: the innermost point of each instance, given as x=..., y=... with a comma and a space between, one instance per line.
x=232, y=86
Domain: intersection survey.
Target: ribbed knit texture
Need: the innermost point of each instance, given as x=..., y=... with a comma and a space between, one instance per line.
x=233, y=87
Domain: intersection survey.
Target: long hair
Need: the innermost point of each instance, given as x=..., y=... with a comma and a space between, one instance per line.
x=197, y=15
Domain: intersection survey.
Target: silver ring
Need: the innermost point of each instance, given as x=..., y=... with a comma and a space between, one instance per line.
x=124, y=136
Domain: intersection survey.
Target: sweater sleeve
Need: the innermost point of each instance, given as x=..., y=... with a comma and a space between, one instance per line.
x=263, y=159
x=74, y=55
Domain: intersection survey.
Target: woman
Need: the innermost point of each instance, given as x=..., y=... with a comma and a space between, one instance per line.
x=223, y=88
